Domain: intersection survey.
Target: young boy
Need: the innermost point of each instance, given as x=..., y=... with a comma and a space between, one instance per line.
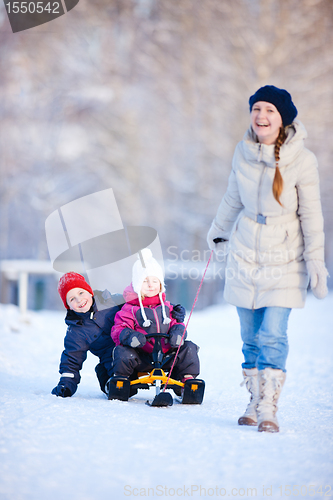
x=88, y=330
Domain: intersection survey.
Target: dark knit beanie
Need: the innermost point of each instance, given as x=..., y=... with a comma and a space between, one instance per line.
x=281, y=100
x=69, y=281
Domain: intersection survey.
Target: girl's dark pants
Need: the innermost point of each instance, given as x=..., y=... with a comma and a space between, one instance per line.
x=126, y=360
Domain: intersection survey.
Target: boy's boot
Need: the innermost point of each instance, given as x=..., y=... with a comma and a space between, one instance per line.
x=270, y=385
x=102, y=376
x=251, y=383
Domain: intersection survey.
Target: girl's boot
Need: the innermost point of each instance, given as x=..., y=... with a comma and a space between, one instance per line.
x=270, y=385
x=251, y=382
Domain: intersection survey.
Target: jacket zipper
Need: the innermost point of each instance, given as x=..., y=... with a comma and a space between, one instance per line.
x=259, y=225
x=259, y=154
x=259, y=188
x=257, y=258
x=157, y=321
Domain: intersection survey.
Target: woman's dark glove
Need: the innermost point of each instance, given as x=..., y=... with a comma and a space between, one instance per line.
x=178, y=313
x=132, y=338
x=216, y=240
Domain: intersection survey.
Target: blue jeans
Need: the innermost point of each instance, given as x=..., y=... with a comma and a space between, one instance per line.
x=264, y=336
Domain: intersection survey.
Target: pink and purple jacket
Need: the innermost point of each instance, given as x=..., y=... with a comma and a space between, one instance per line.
x=130, y=316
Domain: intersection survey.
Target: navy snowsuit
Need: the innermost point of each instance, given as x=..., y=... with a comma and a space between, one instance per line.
x=90, y=331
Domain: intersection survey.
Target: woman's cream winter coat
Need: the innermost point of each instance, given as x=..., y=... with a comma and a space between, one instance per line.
x=266, y=262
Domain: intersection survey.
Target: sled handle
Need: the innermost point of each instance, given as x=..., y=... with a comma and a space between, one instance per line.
x=157, y=353
x=160, y=335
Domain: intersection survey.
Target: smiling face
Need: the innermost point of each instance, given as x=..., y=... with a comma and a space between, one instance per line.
x=151, y=286
x=266, y=122
x=79, y=300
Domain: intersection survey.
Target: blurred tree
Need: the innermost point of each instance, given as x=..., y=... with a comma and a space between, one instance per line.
x=150, y=97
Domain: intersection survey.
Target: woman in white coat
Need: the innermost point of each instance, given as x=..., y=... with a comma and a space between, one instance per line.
x=270, y=224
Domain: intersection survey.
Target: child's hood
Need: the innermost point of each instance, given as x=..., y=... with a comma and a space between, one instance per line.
x=131, y=297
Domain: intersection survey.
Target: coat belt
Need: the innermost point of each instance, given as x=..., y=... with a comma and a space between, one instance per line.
x=262, y=219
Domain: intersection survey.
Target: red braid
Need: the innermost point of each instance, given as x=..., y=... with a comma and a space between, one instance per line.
x=278, y=181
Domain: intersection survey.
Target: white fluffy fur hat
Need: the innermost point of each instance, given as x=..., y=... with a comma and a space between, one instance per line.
x=146, y=266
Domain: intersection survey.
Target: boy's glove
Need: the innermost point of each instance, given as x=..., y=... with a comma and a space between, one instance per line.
x=66, y=388
x=216, y=241
x=175, y=335
x=132, y=338
x=178, y=313
x=318, y=278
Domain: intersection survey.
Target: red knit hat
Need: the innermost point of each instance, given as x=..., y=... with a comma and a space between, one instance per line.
x=69, y=281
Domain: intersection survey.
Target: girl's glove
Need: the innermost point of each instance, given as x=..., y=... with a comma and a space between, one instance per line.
x=216, y=241
x=175, y=335
x=178, y=313
x=132, y=338
x=318, y=278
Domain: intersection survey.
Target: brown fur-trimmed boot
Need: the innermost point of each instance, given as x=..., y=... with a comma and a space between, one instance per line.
x=270, y=385
x=251, y=383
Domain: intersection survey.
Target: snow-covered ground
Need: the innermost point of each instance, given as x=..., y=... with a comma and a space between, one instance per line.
x=88, y=448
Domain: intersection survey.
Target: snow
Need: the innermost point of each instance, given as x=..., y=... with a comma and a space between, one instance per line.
x=89, y=448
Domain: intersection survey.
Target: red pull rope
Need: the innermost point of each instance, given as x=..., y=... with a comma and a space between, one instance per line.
x=195, y=300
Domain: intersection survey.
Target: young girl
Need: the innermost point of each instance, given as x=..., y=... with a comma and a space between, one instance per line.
x=270, y=221
x=147, y=311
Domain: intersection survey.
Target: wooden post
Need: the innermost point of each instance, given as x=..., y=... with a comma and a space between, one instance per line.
x=23, y=292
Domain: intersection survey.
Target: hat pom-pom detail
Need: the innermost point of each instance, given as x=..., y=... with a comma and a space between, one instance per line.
x=146, y=254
